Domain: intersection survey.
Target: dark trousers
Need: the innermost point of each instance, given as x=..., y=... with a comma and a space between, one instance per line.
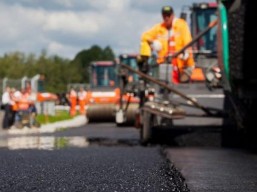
x=7, y=116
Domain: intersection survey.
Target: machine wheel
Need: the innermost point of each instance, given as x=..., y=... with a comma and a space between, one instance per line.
x=248, y=122
x=146, y=132
x=230, y=132
x=242, y=76
x=165, y=122
x=101, y=113
x=239, y=130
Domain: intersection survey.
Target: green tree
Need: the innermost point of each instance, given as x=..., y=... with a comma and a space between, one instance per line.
x=58, y=71
x=85, y=57
x=108, y=53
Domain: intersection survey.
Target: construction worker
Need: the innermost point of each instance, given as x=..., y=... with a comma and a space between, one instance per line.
x=23, y=103
x=32, y=107
x=14, y=95
x=73, y=101
x=82, y=95
x=166, y=38
x=7, y=104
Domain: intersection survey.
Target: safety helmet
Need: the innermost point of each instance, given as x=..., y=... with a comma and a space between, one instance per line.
x=167, y=10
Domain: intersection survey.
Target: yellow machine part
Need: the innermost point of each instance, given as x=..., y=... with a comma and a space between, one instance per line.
x=101, y=112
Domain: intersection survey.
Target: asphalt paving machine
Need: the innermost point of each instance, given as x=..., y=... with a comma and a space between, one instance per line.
x=153, y=85
x=235, y=38
x=200, y=15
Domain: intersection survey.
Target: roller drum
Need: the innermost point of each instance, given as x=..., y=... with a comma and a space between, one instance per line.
x=131, y=113
x=101, y=113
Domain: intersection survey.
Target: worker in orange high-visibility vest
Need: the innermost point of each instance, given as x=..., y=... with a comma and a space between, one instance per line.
x=14, y=94
x=82, y=95
x=166, y=38
x=23, y=101
x=73, y=101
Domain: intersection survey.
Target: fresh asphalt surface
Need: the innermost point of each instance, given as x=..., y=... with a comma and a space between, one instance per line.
x=76, y=156
x=92, y=157
x=215, y=170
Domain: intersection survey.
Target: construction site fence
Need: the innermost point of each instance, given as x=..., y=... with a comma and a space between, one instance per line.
x=19, y=83
x=77, y=86
x=46, y=108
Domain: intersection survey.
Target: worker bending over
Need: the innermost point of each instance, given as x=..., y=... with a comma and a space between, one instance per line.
x=167, y=38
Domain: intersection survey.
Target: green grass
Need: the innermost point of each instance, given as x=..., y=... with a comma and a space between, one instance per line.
x=60, y=115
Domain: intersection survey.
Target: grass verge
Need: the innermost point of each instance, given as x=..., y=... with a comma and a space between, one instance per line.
x=60, y=115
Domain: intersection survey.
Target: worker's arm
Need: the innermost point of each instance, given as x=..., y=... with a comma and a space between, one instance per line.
x=150, y=35
x=187, y=38
x=147, y=39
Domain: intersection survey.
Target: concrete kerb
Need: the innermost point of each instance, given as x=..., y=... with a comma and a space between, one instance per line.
x=51, y=127
x=75, y=122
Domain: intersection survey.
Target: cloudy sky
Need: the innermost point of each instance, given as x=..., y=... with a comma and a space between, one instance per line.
x=65, y=27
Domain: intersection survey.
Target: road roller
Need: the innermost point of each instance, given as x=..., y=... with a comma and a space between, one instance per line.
x=103, y=94
x=105, y=98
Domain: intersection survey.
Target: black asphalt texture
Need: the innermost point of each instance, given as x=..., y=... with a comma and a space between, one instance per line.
x=112, y=159
x=88, y=169
x=211, y=169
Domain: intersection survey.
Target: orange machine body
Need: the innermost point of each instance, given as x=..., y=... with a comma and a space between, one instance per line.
x=103, y=94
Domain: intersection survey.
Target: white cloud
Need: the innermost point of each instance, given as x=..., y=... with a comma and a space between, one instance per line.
x=110, y=5
x=65, y=27
x=70, y=22
x=55, y=47
x=65, y=3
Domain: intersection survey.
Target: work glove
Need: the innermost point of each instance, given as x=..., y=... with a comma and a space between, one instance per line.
x=156, y=45
x=184, y=56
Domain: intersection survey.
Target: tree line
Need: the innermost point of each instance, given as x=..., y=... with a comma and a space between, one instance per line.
x=59, y=72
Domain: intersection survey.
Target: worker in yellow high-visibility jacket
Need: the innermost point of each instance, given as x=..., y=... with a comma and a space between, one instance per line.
x=167, y=38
